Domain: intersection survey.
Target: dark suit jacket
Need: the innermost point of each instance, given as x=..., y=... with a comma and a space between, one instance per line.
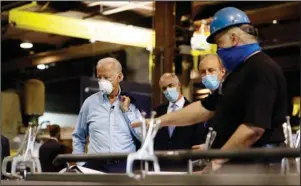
x=47, y=153
x=183, y=138
x=5, y=151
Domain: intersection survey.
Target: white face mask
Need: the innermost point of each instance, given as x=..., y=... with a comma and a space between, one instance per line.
x=105, y=86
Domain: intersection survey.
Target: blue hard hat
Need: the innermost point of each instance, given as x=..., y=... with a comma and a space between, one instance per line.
x=226, y=18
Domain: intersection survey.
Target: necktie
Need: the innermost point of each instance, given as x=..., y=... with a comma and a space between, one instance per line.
x=172, y=128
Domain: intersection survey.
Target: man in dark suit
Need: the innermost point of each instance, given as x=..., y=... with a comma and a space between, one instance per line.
x=175, y=138
x=5, y=151
x=50, y=149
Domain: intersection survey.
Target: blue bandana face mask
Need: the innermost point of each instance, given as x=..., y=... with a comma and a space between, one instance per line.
x=171, y=94
x=233, y=56
x=211, y=81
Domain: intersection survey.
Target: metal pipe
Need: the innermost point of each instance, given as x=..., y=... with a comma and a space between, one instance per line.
x=122, y=179
x=188, y=154
x=288, y=44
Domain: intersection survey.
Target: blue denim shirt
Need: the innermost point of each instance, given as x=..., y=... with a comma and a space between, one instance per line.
x=108, y=128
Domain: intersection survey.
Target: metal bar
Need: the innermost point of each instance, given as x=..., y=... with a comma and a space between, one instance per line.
x=13, y=5
x=186, y=155
x=283, y=45
x=130, y=6
x=57, y=56
x=122, y=179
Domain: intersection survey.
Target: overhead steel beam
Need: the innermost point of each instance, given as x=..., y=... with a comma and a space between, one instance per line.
x=284, y=11
x=197, y=5
x=98, y=30
x=61, y=55
x=131, y=6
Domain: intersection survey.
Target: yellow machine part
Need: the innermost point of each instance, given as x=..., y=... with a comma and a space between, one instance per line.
x=97, y=30
x=11, y=117
x=296, y=106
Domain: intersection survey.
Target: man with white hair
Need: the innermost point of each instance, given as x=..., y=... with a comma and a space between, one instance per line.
x=249, y=107
x=106, y=118
x=171, y=137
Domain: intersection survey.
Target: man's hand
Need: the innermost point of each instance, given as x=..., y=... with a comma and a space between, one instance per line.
x=213, y=166
x=136, y=124
x=125, y=103
x=200, y=147
x=139, y=124
x=216, y=164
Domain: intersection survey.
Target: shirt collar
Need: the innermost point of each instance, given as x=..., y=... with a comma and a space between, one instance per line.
x=52, y=138
x=179, y=103
x=105, y=97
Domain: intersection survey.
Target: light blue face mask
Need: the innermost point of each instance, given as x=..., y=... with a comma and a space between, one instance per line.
x=211, y=81
x=171, y=94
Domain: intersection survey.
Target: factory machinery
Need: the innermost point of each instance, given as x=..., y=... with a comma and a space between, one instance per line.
x=26, y=168
x=287, y=174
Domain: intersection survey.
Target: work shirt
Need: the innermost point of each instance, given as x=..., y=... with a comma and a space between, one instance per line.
x=109, y=129
x=254, y=93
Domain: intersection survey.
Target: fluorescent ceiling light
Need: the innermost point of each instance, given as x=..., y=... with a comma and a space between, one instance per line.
x=26, y=45
x=130, y=6
x=42, y=67
x=92, y=40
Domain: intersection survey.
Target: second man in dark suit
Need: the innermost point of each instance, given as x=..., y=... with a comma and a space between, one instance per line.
x=50, y=149
x=175, y=138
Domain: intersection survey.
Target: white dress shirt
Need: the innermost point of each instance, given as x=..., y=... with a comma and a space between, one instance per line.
x=179, y=103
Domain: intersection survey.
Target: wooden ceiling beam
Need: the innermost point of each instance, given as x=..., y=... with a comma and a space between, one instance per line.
x=74, y=52
x=284, y=11
x=197, y=5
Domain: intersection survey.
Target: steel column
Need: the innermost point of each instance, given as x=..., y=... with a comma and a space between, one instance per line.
x=164, y=26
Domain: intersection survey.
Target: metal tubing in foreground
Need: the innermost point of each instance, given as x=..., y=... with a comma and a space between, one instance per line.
x=123, y=179
x=186, y=155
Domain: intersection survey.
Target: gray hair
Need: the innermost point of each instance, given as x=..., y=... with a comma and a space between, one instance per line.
x=111, y=60
x=215, y=55
x=173, y=75
x=244, y=36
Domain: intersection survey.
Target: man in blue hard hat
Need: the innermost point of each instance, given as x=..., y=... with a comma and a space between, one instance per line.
x=249, y=107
